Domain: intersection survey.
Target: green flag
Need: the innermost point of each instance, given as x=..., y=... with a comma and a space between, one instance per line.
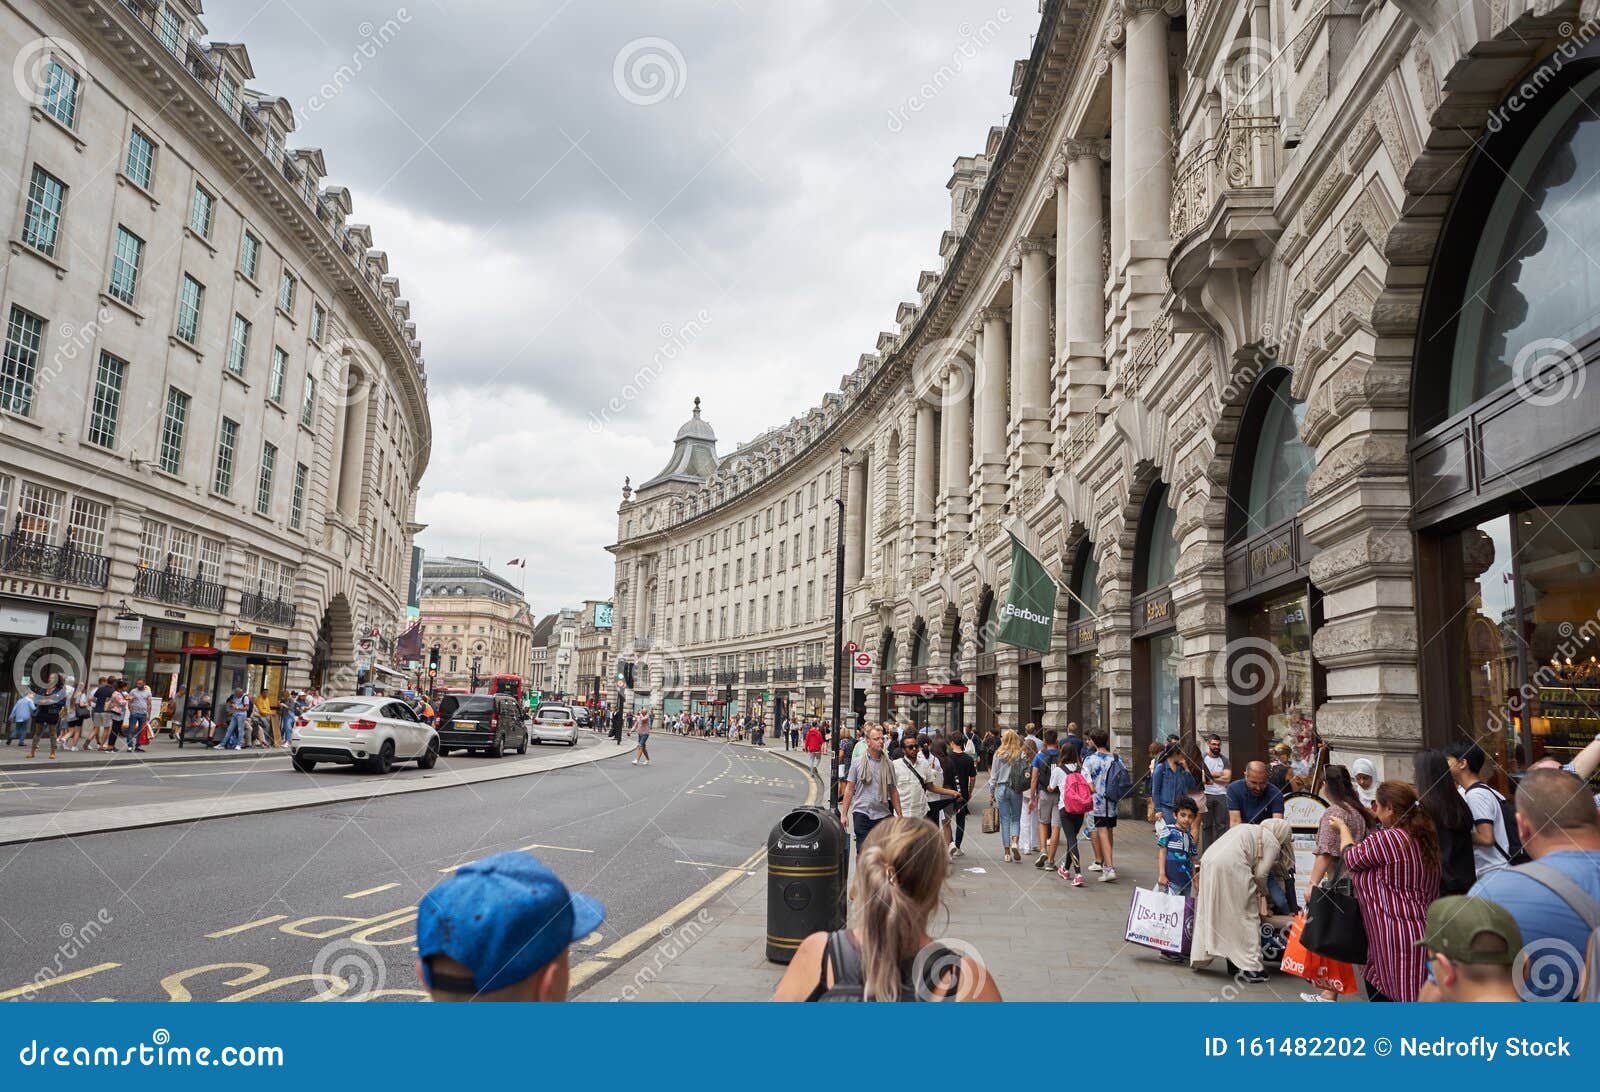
x=1030, y=608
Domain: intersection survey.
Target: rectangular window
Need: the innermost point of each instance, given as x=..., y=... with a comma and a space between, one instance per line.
x=190, y=298
x=140, y=164
x=319, y=321
x=269, y=465
x=308, y=404
x=250, y=256
x=280, y=369
x=39, y=512
x=125, y=261
x=227, y=94
x=238, y=344
x=170, y=29
x=297, y=498
x=201, y=212
x=182, y=550
x=286, y=288
x=172, y=424
x=20, y=361
x=41, y=220
x=152, y=543
x=107, y=402
x=211, y=559
x=227, y=440
x=61, y=94
x=86, y=524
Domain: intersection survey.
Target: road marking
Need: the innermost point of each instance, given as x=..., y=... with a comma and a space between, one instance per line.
x=592, y=939
x=707, y=864
x=73, y=976
x=372, y=890
x=246, y=926
x=697, y=792
x=35, y=787
x=539, y=845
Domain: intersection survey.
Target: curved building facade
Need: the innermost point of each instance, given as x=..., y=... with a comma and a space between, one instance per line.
x=1246, y=329
x=213, y=413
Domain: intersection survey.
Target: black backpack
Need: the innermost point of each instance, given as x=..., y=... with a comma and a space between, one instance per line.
x=1020, y=779
x=1514, y=852
x=849, y=979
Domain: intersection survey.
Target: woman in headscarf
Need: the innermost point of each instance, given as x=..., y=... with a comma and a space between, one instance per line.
x=1233, y=882
x=1365, y=776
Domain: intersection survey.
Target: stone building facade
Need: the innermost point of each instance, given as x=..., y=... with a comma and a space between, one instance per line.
x=474, y=616
x=213, y=414
x=1267, y=329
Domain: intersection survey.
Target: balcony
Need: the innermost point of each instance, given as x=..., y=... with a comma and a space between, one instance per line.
x=813, y=672
x=1222, y=202
x=166, y=586
x=258, y=606
x=29, y=555
x=784, y=674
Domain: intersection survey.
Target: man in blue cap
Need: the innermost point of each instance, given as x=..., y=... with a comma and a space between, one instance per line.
x=499, y=929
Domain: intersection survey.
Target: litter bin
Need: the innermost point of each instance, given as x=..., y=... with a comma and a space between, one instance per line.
x=806, y=859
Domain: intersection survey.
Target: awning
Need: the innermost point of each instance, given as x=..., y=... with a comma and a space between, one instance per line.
x=391, y=672
x=200, y=650
x=928, y=690
x=266, y=657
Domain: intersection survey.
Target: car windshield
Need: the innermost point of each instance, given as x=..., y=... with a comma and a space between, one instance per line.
x=343, y=707
x=471, y=703
x=554, y=712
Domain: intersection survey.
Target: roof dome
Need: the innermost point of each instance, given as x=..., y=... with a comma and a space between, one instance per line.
x=694, y=454
x=696, y=427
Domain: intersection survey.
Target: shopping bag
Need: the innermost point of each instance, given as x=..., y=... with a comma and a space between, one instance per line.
x=1333, y=921
x=144, y=734
x=1319, y=970
x=991, y=820
x=1160, y=921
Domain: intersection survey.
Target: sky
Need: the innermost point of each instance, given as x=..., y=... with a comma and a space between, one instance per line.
x=727, y=198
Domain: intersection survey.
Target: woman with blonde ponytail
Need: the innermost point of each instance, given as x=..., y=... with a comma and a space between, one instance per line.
x=1006, y=759
x=887, y=953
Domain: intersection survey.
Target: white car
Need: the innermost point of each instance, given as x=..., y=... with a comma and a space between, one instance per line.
x=554, y=724
x=371, y=732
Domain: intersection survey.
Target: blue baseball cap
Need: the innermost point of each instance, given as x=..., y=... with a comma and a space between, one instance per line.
x=506, y=917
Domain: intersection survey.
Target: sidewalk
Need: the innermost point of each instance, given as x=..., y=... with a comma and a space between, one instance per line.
x=1041, y=938
x=161, y=749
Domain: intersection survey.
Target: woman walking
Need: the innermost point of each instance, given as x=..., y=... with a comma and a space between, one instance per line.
x=1029, y=842
x=641, y=728
x=887, y=953
x=1452, y=821
x=1006, y=758
x=1345, y=805
x=1077, y=798
x=1396, y=874
x=1236, y=871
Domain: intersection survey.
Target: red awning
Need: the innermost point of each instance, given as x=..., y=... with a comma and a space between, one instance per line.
x=928, y=690
x=200, y=650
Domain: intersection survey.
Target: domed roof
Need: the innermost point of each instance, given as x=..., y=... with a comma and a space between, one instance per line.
x=696, y=427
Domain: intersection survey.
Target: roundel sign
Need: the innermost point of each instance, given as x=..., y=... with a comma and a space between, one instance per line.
x=850, y=647
x=862, y=660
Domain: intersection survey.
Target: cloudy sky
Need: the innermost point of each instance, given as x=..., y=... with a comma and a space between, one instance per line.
x=738, y=191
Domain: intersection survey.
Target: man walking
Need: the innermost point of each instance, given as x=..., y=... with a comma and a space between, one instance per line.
x=870, y=795
x=814, y=745
x=1217, y=776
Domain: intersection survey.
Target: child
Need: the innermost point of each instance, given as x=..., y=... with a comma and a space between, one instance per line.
x=1175, y=857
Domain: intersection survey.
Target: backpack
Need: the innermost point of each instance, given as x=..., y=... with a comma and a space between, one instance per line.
x=1514, y=853
x=849, y=979
x=1077, y=798
x=1115, y=782
x=1020, y=777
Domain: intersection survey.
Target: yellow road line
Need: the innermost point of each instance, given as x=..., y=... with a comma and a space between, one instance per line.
x=372, y=890
x=246, y=926
x=73, y=976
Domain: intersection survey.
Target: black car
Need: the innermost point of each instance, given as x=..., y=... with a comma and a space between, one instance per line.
x=581, y=715
x=490, y=723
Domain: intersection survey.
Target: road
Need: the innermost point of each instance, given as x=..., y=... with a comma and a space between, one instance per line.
x=289, y=905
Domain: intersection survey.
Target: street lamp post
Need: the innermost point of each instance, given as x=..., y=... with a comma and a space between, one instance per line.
x=840, y=668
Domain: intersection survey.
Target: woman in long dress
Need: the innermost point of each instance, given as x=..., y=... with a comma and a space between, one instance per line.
x=1234, y=871
x=1030, y=815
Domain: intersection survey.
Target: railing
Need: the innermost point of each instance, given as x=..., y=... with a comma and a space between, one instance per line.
x=784, y=674
x=1243, y=155
x=260, y=607
x=26, y=554
x=166, y=586
x=812, y=672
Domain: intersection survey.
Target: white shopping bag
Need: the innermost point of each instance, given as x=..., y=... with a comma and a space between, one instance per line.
x=1160, y=921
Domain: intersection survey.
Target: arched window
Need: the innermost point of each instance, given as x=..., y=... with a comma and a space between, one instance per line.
x=1086, y=589
x=919, y=644
x=1158, y=542
x=1269, y=482
x=891, y=654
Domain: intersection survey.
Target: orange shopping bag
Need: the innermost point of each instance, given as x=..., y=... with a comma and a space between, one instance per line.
x=1320, y=971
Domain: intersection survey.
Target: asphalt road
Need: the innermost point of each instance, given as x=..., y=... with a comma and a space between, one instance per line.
x=289, y=905
x=121, y=779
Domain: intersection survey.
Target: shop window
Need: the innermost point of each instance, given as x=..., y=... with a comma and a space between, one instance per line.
x=1282, y=463
x=1160, y=552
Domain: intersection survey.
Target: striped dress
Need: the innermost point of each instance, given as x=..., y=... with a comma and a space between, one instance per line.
x=1394, y=884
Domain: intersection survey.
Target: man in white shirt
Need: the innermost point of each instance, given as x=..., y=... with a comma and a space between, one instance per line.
x=1491, y=846
x=916, y=778
x=1218, y=776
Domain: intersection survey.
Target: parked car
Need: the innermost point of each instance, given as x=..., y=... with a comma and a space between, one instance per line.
x=555, y=724
x=371, y=732
x=581, y=715
x=487, y=723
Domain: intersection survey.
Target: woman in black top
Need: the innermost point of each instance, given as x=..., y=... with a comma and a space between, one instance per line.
x=1436, y=790
x=959, y=771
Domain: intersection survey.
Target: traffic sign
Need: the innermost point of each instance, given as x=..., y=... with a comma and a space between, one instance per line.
x=863, y=661
x=851, y=646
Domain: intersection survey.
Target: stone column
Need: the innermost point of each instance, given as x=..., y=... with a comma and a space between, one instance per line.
x=1147, y=203
x=1030, y=378
x=994, y=364
x=956, y=478
x=1080, y=290
x=924, y=478
x=854, y=506
x=353, y=460
x=1119, y=156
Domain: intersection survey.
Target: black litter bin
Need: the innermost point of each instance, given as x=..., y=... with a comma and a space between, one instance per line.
x=806, y=869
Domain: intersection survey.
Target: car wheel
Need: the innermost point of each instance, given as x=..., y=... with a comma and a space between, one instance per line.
x=429, y=757
x=383, y=761
x=572, y=743
x=522, y=748
x=304, y=765
x=443, y=751
x=498, y=748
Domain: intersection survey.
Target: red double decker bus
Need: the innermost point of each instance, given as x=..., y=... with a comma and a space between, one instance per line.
x=507, y=684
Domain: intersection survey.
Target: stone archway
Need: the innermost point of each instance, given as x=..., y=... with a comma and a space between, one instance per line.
x=333, y=654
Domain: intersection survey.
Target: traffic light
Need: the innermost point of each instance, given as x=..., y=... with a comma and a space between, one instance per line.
x=627, y=673
x=433, y=660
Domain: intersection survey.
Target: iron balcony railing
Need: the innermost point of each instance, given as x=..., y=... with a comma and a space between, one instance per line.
x=816, y=671
x=29, y=555
x=166, y=586
x=258, y=606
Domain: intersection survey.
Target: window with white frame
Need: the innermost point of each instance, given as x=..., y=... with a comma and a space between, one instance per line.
x=308, y=403
x=86, y=524
x=5, y=504
x=280, y=370
x=286, y=290
x=191, y=295
x=269, y=465
x=125, y=259
x=169, y=28
x=297, y=498
x=60, y=99
x=106, y=405
x=250, y=256
x=202, y=211
x=19, y=361
x=238, y=344
x=173, y=420
x=183, y=547
x=152, y=543
x=211, y=559
x=228, y=94
x=140, y=162
x=319, y=321
x=40, y=510
x=41, y=217
x=227, y=442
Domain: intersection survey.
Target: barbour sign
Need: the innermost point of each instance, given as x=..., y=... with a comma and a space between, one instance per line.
x=1025, y=620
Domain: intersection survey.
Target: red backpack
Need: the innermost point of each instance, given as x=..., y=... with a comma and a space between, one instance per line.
x=1076, y=795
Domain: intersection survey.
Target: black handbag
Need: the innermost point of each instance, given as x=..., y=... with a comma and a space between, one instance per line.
x=1333, y=925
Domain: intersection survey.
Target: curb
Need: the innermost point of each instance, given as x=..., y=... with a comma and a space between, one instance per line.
x=43, y=828
x=79, y=760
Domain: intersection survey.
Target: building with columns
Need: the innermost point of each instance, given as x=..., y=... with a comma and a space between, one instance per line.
x=474, y=617
x=1268, y=330
x=213, y=414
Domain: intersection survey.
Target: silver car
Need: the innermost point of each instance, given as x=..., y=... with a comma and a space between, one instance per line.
x=554, y=724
